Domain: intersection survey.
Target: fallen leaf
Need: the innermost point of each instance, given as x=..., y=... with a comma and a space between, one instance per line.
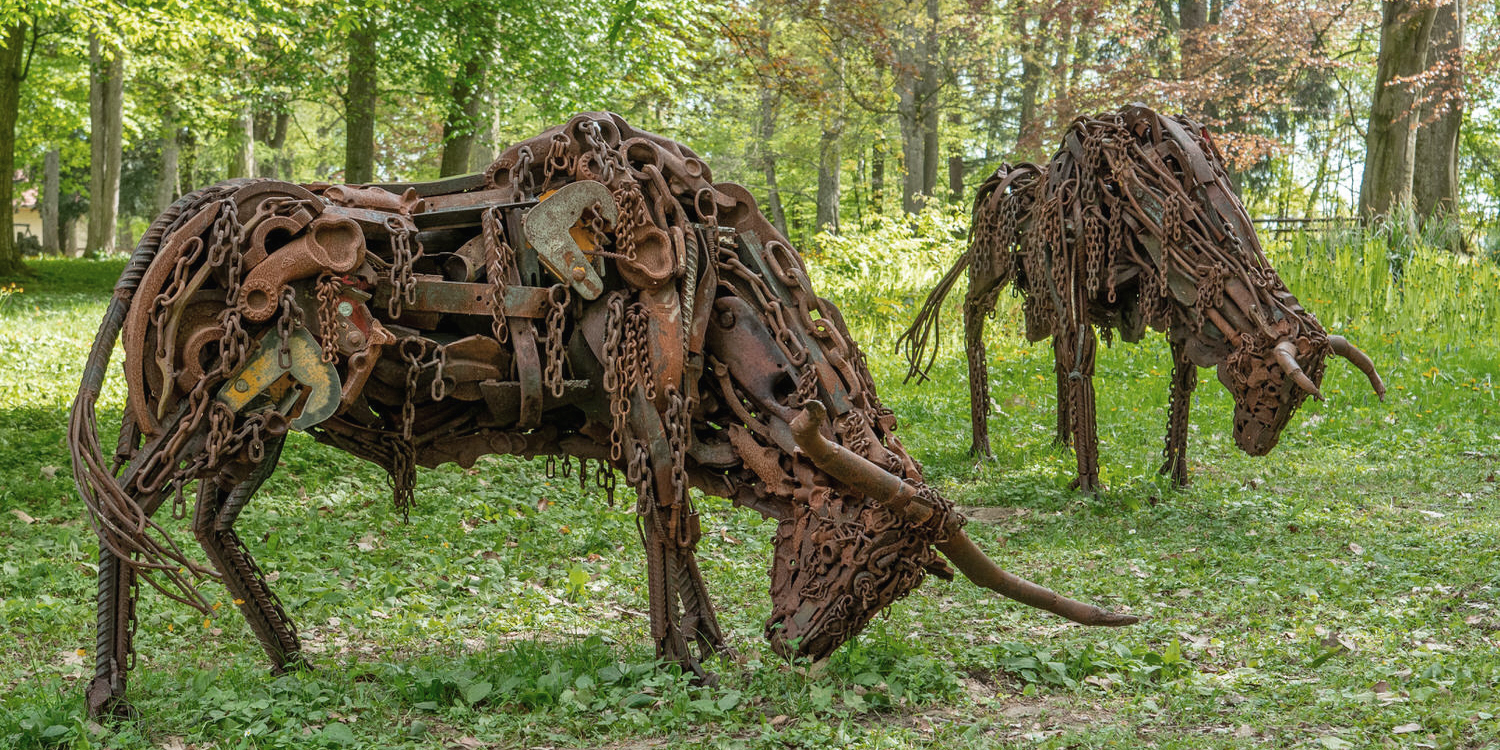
x=1406, y=728
x=21, y=514
x=1356, y=549
x=1244, y=730
x=50, y=472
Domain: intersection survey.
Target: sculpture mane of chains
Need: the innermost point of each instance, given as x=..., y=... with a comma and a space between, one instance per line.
x=1133, y=223
x=593, y=295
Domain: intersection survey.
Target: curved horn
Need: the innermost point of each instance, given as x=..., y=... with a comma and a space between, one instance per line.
x=1286, y=354
x=1343, y=348
x=900, y=497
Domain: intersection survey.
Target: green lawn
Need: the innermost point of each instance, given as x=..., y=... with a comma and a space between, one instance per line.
x=1342, y=593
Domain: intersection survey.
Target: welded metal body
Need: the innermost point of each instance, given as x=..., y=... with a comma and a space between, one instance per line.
x=1134, y=224
x=593, y=296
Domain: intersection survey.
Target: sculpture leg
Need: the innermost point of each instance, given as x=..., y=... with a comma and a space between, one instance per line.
x=683, y=623
x=1184, y=380
x=1064, y=434
x=1079, y=361
x=977, y=304
x=220, y=501
x=115, y=637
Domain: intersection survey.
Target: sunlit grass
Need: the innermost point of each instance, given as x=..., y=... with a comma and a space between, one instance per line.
x=1339, y=593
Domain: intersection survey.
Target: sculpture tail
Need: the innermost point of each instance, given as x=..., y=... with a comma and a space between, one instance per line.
x=118, y=519
x=921, y=339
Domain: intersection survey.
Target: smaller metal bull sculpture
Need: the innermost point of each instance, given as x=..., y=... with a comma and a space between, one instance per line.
x=593, y=295
x=1134, y=224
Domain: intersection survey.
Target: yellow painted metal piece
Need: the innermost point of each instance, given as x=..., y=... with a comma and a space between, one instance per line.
x=319, y=378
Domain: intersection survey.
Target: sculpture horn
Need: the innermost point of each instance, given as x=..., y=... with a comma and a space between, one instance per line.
x=1343, y=348
x=1286, y=354
x=900, y=497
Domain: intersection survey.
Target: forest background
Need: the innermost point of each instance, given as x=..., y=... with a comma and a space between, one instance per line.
x=833, y=113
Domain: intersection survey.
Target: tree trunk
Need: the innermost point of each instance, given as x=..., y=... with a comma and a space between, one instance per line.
x=167, y=178
x=1434, y=187
x=929, y=88
x=70, y=238
x=485, y=150
x=106, y=109
x=768, y=159
x=51, y=194
x=768, y=129
x=1390, y=143
x=465, y=104
x=877, y=175
x=1028, y=124
x=359, y=108
x=12, y=72
x=910, y=113
x=830, y=155
x=829, y=163
x=242, y=143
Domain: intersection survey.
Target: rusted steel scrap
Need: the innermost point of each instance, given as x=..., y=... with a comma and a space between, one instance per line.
x=1134, y=224
x=595, y=296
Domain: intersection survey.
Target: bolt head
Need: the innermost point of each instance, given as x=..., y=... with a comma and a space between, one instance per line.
x=242, y=385
x=579, y=274
x=726, y=319
x=346, y=308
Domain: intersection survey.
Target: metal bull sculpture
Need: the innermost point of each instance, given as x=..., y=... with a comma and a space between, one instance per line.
x=593, y=295
x=1133, y=223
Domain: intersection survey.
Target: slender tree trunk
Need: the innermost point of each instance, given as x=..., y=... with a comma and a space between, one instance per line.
x=242, y=143
x=768, y=129
x=930, y=86
x=830, y=156
x=167, y=178
x=829, y=165
x=12, y=73
x=1390, y=143
x=1434, y=187
x=51, y=194
x=1028, y=124
x=768, y=159
x=877, y=174
x=359, y=109
x=465, y=104
x=70, y=238
x=106, y=110
x=911, y=113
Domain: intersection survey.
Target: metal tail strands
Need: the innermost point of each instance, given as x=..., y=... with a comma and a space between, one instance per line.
x=1134, y=224
x=593, y=295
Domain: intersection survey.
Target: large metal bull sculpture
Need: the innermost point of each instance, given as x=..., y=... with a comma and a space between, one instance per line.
x=1133, y=224
x=594, y=295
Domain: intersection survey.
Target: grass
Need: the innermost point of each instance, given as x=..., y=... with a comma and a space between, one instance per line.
x=1340, y=593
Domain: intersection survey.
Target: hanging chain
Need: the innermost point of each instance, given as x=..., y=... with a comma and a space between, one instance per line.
x=558, y=298
x=328, y=292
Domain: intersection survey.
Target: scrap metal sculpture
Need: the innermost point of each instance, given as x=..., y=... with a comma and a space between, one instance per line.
x=593, y=295
x=1133, y=224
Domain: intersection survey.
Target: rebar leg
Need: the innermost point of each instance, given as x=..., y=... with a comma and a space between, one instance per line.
x=977, y=304
x=1075, y=355
x=114, y=645
x=219, y=504
x=1064, y=433
x=683, y=624
x=1184, y=380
